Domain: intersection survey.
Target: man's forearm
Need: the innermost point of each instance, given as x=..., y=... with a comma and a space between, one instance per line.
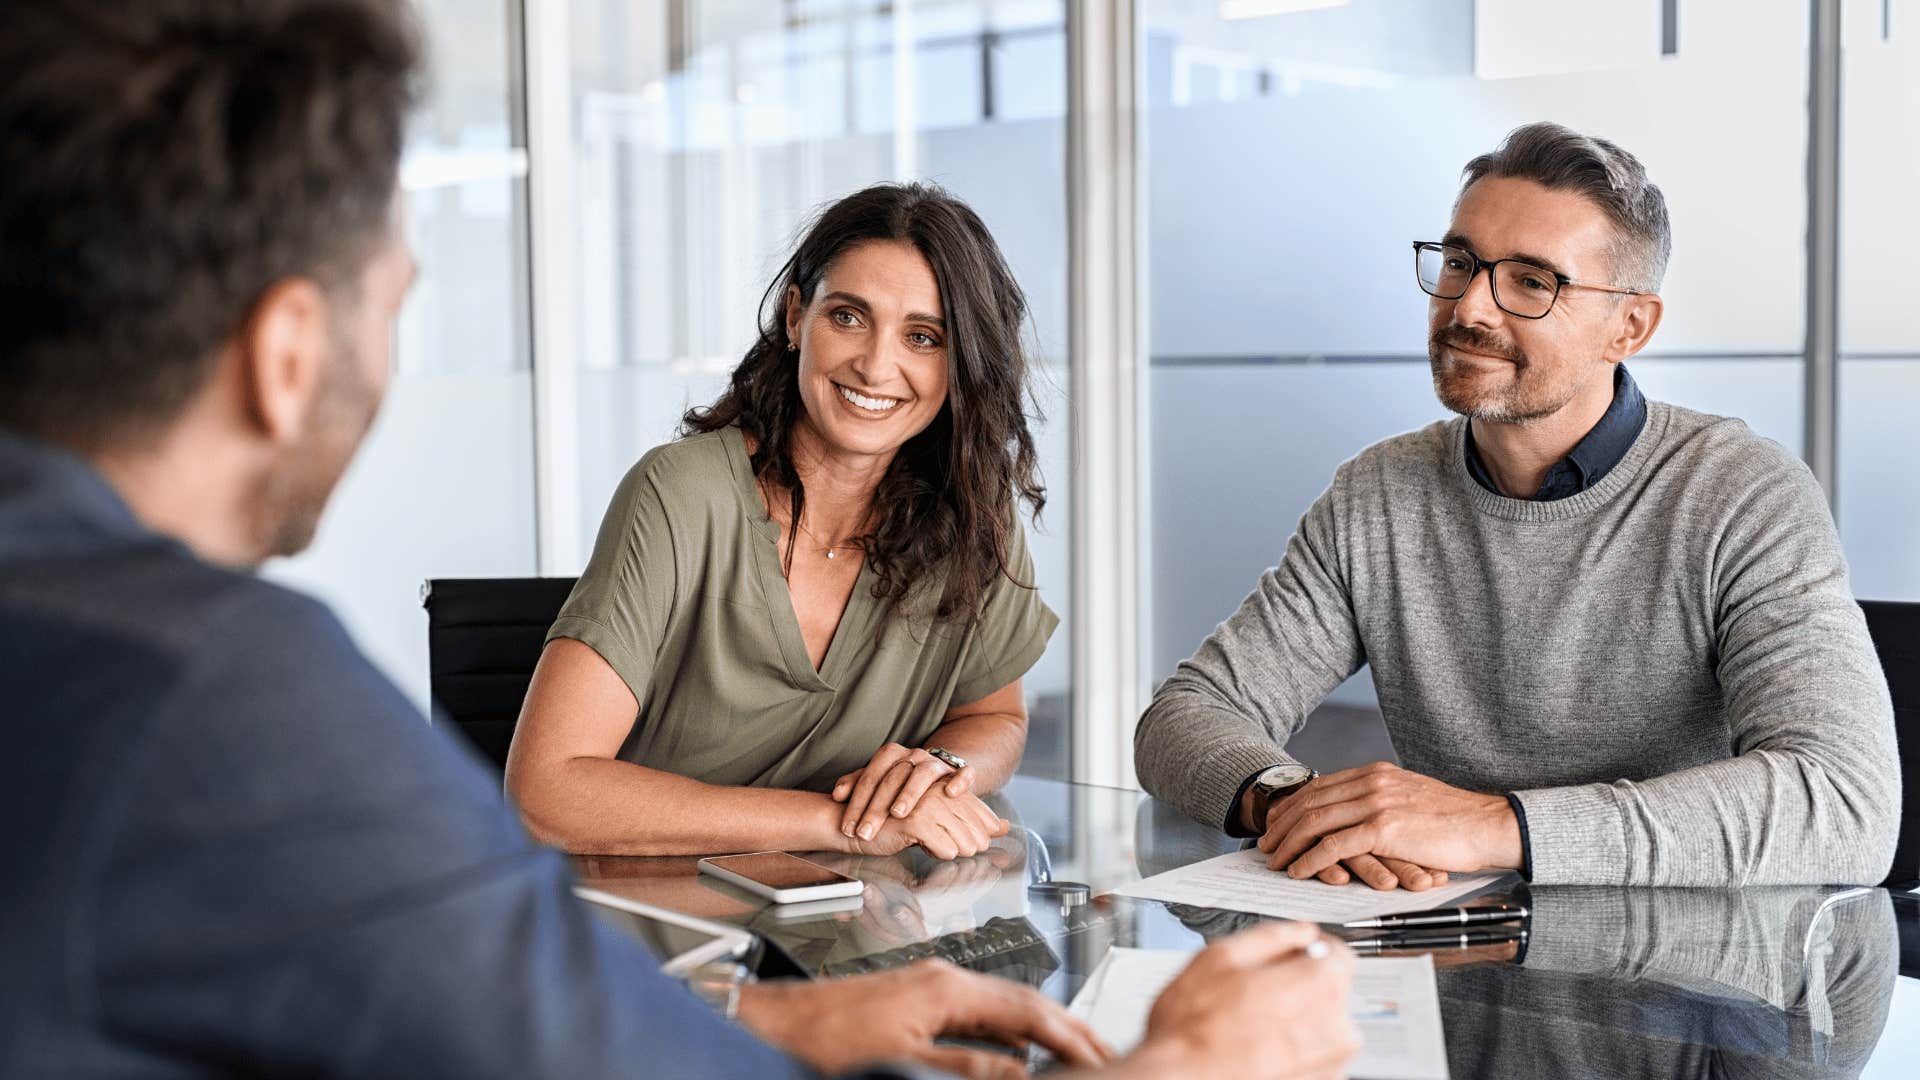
x=1195, y=754
x=1767, y=817
x=1226, y=711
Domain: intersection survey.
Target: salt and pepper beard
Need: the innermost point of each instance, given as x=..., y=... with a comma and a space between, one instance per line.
x=1513, y=407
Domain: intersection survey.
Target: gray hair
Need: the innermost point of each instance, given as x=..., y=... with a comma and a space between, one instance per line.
x=1562, y=159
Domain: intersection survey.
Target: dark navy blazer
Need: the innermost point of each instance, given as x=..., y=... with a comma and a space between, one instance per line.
x=232, y=847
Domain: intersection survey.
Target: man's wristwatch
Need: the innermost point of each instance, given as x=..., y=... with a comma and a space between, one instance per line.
x=1274, y=784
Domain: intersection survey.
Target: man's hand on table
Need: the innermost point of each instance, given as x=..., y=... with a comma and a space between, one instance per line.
x=1379, y=873
x=1391, y=827
x=1265, y=1002
x=1268, y=1002
x=839, y=1024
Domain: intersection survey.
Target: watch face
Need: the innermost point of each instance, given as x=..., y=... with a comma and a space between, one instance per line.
x=1285, y=776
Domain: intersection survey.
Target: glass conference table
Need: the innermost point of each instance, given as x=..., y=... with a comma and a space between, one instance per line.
x=1762, y=982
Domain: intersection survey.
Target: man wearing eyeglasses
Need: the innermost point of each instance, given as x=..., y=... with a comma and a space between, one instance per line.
x=1613, y=639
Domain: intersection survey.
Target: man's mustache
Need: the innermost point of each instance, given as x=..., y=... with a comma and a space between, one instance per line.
x=1474, y=339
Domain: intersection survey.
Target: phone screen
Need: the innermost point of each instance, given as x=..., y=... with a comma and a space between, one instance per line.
x=778, y=870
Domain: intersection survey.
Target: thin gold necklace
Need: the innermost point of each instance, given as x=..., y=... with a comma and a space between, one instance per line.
x=826, y=547
x=766, y=497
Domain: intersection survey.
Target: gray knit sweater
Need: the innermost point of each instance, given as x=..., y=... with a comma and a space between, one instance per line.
x=1668, y=668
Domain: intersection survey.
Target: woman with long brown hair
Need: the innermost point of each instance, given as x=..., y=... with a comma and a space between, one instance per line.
x=805, y=623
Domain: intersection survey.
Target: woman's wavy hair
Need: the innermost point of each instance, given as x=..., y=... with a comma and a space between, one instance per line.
x=946, y=506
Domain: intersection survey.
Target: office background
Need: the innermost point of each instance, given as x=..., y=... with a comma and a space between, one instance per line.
x=601, y=189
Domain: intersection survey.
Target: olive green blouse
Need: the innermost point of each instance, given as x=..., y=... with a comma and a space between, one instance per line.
x=685, y=599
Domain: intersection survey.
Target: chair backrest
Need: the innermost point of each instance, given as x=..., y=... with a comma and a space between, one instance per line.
x=1896, y=637
x=484, y=636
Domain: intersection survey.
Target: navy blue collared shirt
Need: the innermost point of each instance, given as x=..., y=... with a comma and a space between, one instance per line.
x=233, y=848
x=1593, y=457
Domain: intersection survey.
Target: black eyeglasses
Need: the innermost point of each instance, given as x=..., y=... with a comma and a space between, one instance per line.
x=1520, y=288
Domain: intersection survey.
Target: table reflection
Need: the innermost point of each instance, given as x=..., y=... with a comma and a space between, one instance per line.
x=1682, y=982
x=1612, y=981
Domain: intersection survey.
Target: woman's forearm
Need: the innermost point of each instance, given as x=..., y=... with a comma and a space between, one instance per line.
x=603, y=806
x=574, y=794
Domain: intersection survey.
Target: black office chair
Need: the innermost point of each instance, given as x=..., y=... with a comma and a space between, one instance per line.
x=1896, y=637
x=484, y=637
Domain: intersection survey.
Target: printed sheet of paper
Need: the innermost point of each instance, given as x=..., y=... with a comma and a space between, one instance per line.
x=1395, y=1002
x=1119, y=996
x=1082, y=1004
x=1240, y=881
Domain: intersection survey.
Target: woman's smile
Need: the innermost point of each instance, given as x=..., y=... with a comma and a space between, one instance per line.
x=870, y=406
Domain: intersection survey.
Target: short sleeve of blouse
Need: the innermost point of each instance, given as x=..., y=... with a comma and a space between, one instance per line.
x=1012, y=632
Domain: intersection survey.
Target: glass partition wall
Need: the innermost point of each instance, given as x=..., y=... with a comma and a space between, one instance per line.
x=1287, y=151
x=1295, y=149
x=1879, y=421
x=706, y=134
x=444, y=486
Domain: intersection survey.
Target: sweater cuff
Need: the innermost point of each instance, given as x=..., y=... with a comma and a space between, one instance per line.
x=1575, y=835
x=1526, y=841
x=1229, y=770
x=1232, y=824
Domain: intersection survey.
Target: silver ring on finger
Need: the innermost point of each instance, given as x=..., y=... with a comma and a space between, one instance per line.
x=946, y=757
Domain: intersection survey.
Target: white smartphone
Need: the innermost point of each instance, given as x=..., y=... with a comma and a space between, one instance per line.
x=780, y=877
x=814, y=909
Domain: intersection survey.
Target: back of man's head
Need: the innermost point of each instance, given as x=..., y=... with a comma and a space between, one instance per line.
x=1561, y=159
x=162, y=164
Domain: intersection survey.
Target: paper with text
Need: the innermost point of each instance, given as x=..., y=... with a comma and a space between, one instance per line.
x=1240, y=881
x=1395, y=1003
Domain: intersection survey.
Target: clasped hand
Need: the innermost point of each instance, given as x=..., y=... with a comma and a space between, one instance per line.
x=893, y=802
x=1389, y=827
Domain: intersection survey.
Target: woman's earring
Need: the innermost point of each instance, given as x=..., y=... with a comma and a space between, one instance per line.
x=791, y=347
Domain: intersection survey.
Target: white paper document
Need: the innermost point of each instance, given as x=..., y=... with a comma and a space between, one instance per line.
x=1394, y=1002
x=1116, y=1008
x=1240, y=881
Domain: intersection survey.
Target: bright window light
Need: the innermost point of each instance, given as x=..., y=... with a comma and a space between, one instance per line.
x=1260, y=9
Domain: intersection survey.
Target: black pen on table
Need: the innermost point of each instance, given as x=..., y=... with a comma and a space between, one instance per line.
x=1465, y=939
x=1452, y=916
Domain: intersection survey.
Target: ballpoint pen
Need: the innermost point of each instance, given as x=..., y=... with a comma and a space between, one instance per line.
x=1454, y=916
x=1465, y=939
